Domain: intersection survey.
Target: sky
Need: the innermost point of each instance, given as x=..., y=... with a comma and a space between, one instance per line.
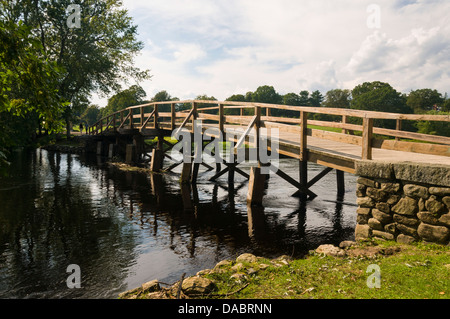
x=225, y=47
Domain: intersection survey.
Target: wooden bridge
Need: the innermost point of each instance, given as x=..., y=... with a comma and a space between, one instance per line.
x=338, y=143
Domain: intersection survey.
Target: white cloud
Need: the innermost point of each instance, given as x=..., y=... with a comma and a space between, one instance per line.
x=225, y=47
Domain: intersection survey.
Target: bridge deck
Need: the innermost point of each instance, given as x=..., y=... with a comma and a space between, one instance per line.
x=333, y=153
x=339, y=150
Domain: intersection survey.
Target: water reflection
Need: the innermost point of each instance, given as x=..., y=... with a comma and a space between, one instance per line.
x=124, y=228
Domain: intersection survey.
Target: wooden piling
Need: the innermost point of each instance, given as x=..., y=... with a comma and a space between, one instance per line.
x=340, y=183
x=256, y=186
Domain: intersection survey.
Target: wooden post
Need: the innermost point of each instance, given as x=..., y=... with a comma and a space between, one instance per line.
x=398, y=127
x=344, y=121
x=221, y=119
x=142, y=115
x=367, y=138
x=258, y=133
x=172, y=116
x=256, y=186
x=157, y=160
x=155, y=118
x=186, y=173
x=130, y=153
x=303, y=136
x=131, y=119
x=340, y=183
x=303, y=167
x=194, y=115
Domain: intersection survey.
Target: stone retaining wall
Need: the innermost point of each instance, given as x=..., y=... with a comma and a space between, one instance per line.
x=404, y=209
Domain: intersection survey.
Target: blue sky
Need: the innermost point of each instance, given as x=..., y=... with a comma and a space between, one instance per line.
x=225, y=47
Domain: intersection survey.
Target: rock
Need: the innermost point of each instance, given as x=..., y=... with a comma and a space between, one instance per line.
x=433, y=174
x=445, y=220
x=360, y=190
x=391, y=228
x=222, y=263
x=437, y=234
x=382, y=217
x=406, y=206
x=347, y=243
x=363, y=215
x=151, y=286
x=407, y=230
x=433, y=205
x=239, y=277
x=362, y=232
x=375, y=224
x=197, y=286
x=130, y=292
x=249, y=258
x=382, y=234
x=366, y=182
x=374, y=169
x=237, y=267
x=405, y=239
x=384, y=207
x=263, y=266
x=393, y=199
x=415, y=191
x=390, y=187
x=439, y=191
x=377, y=194
x=365, y=202
x=411, y=222
x=428, y=218
x=330, y=250
x=446, y=201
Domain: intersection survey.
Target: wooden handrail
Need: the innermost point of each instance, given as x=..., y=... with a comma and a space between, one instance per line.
x=291, y=124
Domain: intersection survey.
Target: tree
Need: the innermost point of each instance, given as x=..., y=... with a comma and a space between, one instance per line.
x=291, y=99
x=337, y=98
x=97, y=56
x=266, y=94
x=379, y=96
x=424, y=100
x=91, y=115
x=316, y=99
x=304, y=98
x=130, y=97
x=28, y=94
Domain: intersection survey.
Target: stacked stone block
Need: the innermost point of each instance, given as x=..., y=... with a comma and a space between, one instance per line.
x=402, y=211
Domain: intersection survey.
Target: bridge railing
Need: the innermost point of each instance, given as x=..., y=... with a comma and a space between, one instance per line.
x=343, y=125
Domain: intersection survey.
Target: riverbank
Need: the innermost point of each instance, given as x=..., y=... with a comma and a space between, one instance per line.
x=363, y=270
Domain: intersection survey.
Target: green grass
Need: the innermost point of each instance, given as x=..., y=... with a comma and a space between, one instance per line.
x=416, y=272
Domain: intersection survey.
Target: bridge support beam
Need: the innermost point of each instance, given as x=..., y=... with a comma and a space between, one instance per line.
x=256, y=186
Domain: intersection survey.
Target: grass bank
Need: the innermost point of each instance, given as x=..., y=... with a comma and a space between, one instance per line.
x=416, y=271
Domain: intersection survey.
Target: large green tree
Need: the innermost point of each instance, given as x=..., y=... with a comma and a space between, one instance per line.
x=424, y=100
x=96, y=55
x=379, y=96
x=132, y=96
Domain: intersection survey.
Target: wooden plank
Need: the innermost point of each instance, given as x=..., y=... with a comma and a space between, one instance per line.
x=177, y=132
x=334, y=136
x=209, y=116
x=238, y=119
x=292, y=181
x=413, y=147
x=412, y=135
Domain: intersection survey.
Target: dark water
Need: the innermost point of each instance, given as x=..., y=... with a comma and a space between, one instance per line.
x=126, y=228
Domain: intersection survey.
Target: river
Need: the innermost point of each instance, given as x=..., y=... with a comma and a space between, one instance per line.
x=125, y=228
